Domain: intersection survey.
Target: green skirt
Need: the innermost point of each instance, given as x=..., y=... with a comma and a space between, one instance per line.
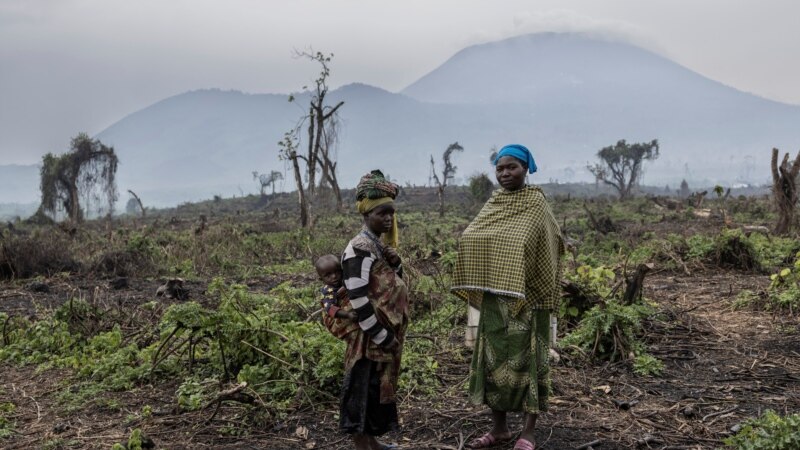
x=509, y=370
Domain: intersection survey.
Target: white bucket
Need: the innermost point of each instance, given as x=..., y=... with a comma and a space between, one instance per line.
x=473, y=317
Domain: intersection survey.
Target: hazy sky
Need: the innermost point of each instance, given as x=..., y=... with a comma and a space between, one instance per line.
x=80, y=65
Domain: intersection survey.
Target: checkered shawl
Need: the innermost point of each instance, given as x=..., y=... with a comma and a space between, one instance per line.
x=513, y=249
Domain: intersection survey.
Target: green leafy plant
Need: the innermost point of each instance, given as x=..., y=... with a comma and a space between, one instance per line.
x=7, y=424
x=768, y=432
x=647, y=365
x=609, y=331
x=784, y=288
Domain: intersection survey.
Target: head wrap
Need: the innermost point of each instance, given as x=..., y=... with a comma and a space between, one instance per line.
x=374, y=190
x=520, y=152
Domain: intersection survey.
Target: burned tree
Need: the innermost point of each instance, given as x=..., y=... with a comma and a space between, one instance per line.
x=322, y=133
x=327, y=160
x=266, y=180
x=620, y=165
x=136, y=201
x=448, y=172
x=784, y=190
x=87, y=170
x=288, y=152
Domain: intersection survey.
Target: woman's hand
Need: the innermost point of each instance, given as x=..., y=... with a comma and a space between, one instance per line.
x=391, y=256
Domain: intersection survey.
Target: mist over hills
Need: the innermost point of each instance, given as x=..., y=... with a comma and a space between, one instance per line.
x=564, y=95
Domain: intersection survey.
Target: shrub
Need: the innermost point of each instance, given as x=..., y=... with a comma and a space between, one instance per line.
x=609, y=331
x=647, y=365
x=733, y=250
x=768, y=432
x=480, y=187
x=45, y=253
x=7, y=425
x=784, y=289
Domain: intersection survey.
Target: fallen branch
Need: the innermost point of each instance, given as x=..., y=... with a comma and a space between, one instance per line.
x=589, y=445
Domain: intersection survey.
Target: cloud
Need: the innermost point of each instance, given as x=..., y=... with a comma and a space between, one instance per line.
x=567, y=21
x=22, y=12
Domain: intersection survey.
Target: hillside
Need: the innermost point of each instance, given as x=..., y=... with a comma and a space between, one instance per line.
x=565, y=95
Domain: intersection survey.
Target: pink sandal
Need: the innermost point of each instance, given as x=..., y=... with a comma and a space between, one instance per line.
x=486, y=441
x=524, y=444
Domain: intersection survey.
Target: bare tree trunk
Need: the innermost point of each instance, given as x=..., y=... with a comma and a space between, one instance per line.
x=635, y=284
x=305, y=213
x=784, y=190
x=312, y=152
x=74, y=203
x=334, y=182
x=139, y=201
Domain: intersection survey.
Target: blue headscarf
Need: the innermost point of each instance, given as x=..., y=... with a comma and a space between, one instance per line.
x=520, y=152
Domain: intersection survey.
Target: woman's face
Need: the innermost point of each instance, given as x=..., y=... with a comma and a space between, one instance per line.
x=510, y=173
x=380, y=219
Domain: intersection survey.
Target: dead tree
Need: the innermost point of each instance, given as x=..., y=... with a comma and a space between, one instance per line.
x=321, y=129
x=448, y=172
x=87, y=170
x=289, y=153
x=266, y=180
x=321, y=123
x=328, y=161
x=784, y=190
x=138, y=201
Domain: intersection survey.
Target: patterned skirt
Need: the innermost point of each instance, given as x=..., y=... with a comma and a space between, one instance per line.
x=509, y=370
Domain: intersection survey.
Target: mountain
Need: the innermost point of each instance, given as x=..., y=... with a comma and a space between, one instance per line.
x=565, y=95
x=582, y=93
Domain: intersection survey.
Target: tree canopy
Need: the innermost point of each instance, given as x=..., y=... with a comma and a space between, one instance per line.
x=88, y=170
x=621, y=164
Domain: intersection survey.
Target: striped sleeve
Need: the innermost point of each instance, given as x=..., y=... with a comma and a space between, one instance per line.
x=356, y=264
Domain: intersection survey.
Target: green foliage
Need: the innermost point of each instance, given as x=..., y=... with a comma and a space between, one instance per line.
x=647, y=365
x=768, y=432
x=480, y=187
x=593, y=282
x=7, y=424
x=784, y=289
x=609, y=331
x=745, y=298
x=192, y=394
x=700, y=246
x=621, y=165
x=88, y=170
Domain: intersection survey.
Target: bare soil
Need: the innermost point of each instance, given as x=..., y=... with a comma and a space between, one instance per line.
x=721, y=367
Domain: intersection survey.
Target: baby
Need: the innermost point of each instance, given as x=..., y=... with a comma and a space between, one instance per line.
x=329, y=270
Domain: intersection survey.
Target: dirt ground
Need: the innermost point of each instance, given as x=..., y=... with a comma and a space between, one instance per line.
x=721, y=367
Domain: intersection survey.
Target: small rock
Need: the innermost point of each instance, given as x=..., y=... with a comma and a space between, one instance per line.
x=173, y=288
x=736, y=428
x=625, y=405
x=147, y=441
x=119, y=283
x=689, y=412
x=38, y=286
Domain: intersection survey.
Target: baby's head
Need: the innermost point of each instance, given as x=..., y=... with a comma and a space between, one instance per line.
x=329, y=270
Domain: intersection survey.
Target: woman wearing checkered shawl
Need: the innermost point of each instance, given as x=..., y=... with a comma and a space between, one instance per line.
x=372, y=274
x=509, y=265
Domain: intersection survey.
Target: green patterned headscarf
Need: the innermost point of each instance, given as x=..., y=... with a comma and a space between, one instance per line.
x=372, y=191
x=375, y=185
x=513, y=248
